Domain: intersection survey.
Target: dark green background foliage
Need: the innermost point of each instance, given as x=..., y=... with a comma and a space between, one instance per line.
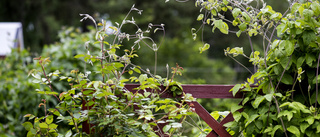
x=18, y=92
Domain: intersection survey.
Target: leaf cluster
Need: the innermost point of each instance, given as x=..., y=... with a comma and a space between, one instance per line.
x=281, y=96
x=98, y=101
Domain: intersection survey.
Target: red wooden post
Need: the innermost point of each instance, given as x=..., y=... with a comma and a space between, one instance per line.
x=205, y=115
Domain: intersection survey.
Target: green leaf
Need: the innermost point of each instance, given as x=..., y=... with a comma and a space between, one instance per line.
x=27, y=125
x=236, y=12
x=235, y=89
x=31, y=133
x=43, y=125
x=166, y=128
x=289, y=47
x=49, y=119
x=234, y=108
x=318, y=128
x=276, y=16
x=294, y=130
x=287, y=79
x=142, y=78
x=216, y=115
x=118, y=65
x=147, y=94
x=222, y=26
x=268, y=97
x=300, y=61
x=257, y=101
x=30, y=116
x=236, y=115
x=214, y=12
x=251, y=119
x=315, y=6
x=225, y=2
x=136, y=69
x=309, y=59
x=243, y=26
x=245, y=100
x=285, y=63
x=47, y=92
x=307, y=14
x=246, y=16
x=68, y=134
x=310, y=120
x=200, y=17
x=104, y=93
x=308, y=37
x=79, y=56
x=285, y=104
x=87, y=92
x=145, y=126
x=205, y=47
x=230, y=124
x=37, y=76
x=238, y=33
x=57, y=113
x=287, y=113
x=275, y=129
x=176, y=125
x=236, y=51
x=53, y=126
x=130, y=72
x=281, y=29
x=303, y=127
x=275, y=44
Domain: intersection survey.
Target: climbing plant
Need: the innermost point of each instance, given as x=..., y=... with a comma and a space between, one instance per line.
x=281, y=97
x=100, y=98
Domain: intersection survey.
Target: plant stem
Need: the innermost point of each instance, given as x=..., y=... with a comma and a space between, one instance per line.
x=283, y=73
x=50, y=86
x=278, y=109
x=155, y=62
x=241, y=64
x=252, y=51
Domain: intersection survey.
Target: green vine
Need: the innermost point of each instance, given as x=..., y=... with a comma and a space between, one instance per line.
x=101, y=99
x=281, y=96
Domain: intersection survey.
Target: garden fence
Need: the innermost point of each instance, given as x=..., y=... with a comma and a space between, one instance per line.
x=199, y=91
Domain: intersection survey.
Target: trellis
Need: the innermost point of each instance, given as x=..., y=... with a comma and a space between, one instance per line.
x=200, y=91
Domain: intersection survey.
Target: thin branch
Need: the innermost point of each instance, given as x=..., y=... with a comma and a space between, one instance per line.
x=283, y=73
x=241, y=64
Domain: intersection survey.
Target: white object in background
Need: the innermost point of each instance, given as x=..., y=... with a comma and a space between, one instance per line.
x=11, y=36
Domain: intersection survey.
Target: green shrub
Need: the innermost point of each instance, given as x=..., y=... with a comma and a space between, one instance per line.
x=99, y=84
x=284, y=100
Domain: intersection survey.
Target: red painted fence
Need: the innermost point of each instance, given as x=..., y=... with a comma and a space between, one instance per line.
x=202, y=91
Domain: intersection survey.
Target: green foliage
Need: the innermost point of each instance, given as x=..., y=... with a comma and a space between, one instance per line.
x=18, y=92
x=15, y=93
x=284, y=100
x=97, y=95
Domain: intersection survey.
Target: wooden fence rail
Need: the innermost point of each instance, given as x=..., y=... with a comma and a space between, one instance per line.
x=201, y=91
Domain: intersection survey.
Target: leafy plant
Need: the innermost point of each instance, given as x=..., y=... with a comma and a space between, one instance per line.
x=100, y=98
x=284, y=100
x=18, y=94
x=14, y=95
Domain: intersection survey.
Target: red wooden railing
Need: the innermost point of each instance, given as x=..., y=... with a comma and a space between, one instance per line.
x=201, y=91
